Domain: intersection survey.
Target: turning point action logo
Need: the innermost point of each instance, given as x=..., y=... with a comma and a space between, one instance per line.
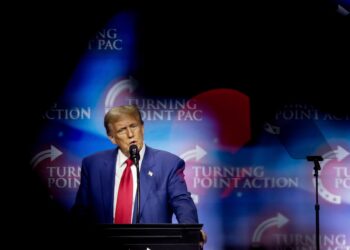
x=268, y=233
x=57, y=176
x=334, y=182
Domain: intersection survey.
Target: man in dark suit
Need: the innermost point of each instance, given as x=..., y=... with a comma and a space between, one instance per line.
x=162, y=184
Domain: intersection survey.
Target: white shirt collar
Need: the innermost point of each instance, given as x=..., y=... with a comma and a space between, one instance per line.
x=122, y=157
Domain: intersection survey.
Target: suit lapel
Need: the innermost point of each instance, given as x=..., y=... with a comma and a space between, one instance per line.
x=107, y=179
x=146, y=176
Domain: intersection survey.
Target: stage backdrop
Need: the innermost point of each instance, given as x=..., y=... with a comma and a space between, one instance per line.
x=259, y=193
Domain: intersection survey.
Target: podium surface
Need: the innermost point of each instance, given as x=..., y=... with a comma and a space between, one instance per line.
x=150, y=236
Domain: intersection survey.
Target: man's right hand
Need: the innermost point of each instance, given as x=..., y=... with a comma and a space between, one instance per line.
x=204, y=238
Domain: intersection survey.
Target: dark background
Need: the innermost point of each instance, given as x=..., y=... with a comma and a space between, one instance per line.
x=275, y=52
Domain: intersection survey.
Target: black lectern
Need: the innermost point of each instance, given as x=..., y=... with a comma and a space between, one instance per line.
x=149, y=236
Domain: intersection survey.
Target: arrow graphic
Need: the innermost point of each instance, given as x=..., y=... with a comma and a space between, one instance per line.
x=127, y=84
x=340, y=153
x=277, y=221
x=51, y=153
x=197, y=153
x=275, y=130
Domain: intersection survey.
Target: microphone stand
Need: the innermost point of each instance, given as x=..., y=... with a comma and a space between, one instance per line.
x=317, y=167
x=135, y=156
x=138, y=195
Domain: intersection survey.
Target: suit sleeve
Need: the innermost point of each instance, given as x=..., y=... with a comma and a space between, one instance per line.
x=180, y=199
x=80, y=210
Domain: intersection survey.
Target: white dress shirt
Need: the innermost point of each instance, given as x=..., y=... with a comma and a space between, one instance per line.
x=120, y=167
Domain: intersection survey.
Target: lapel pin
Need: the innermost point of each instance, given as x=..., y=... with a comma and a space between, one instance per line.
x=150, y=173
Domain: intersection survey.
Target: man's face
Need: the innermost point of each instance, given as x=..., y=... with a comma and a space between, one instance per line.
x=127, y=131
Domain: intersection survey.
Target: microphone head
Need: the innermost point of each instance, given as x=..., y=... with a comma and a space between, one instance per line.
x=134, y=152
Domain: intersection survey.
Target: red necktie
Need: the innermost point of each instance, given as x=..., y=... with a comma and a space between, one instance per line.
x=124, y=200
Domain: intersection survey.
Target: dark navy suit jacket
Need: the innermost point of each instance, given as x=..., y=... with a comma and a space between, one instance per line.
x=162, y=186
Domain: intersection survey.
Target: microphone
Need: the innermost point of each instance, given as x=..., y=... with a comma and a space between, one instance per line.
x=135, y=157
x=134, y=154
